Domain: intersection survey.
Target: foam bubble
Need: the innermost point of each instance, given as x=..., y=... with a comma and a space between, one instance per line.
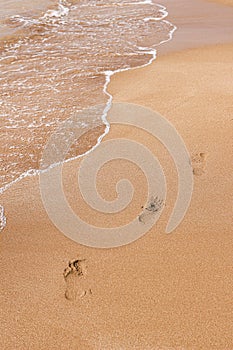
x=65, y=64
x=2, y=218
x=60, y=12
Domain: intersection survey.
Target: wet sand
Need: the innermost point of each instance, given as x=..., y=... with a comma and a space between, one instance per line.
x=162, y=292
x=225, y=2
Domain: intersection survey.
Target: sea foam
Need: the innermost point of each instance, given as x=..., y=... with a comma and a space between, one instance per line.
x=63, y=64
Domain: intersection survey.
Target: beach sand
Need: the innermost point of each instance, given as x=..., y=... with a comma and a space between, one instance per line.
x=162, y=292
x=226, y=2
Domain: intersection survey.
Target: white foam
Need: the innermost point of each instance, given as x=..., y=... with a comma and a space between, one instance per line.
x=59, y=13
x=108, y=74
x=2, y=218
x=145, y=50
x=145, y=2
x=63, y=11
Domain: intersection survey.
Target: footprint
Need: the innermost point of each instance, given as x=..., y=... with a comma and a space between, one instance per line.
x=75, y=277
x=199, y=163
x=153, y=207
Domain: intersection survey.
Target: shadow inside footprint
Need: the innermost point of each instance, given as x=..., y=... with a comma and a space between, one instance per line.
x=199, y=163
x=153, y=207
x=75, y=277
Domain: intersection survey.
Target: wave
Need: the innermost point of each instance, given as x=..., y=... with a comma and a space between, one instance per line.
x=31, y=66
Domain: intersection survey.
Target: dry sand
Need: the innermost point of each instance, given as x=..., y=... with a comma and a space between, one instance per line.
x=162, y=292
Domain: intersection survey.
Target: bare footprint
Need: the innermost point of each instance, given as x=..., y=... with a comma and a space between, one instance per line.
x=199, y=163
x=75, y=277
x=153, y=207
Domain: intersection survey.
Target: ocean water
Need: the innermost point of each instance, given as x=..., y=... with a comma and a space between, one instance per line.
x=56, y=58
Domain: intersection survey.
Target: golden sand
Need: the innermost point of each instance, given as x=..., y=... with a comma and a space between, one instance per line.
x=162, y=292
x=225, y=2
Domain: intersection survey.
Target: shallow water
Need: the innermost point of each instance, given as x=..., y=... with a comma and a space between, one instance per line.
x=56, y=59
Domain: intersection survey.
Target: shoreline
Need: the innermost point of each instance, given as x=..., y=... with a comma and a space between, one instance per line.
x=162, y=291
x=192, y=265
x=108, y=75
x=172, y=44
